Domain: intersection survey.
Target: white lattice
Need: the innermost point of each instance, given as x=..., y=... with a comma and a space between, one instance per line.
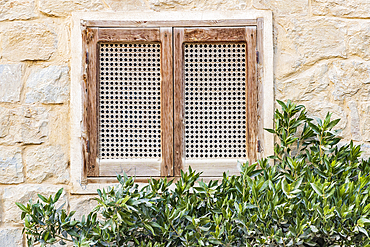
x=215, y=100
x=129, y=101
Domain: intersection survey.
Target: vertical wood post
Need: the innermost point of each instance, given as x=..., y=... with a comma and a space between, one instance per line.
x=179, y=146
x=166, y=101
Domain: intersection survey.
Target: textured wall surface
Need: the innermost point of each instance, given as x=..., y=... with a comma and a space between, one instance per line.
x=321, y=54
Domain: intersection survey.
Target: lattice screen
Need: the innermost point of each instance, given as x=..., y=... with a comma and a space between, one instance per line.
x=215, y=102
x=129, y=101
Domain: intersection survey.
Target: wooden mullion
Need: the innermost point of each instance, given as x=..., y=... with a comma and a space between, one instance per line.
x=179, y=147
x=91, y=102
x=166, y=101
x=251, y=91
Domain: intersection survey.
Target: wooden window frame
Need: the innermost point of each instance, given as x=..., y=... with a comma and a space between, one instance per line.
x=91, y=99
x=249, y=31
x=214, y=34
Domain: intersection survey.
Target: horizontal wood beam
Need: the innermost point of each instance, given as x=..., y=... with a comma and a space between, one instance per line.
x=134, y=167
x=129, y=35
x=184, y=23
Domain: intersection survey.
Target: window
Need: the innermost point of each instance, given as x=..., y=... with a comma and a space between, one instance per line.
x=161, y=99
x=159, y=96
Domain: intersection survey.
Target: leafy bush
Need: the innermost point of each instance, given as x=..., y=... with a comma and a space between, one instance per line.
x=312, y=192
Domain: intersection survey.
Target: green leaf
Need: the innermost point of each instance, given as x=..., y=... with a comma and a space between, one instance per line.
x=22, y=207
x=123, y=201
x=363, y=221
x=285, y=186
x=316, y=189
x=249, y=206
x=314, y=128
x=214, y=241
x=333, y=123
x=314, y=228
x=282, y=104
x=154, y=224
x=43, y=198
x=61, y=242
x=58, y=194
x=148, y=227
x=363, y=230
x=366, y=209
x=271, y=131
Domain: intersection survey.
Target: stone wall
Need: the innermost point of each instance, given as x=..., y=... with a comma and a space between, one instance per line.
x=322, y=60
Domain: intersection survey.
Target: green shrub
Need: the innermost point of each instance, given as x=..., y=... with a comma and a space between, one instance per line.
x=313, y=192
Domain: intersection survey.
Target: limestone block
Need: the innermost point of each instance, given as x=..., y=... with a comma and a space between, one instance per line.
x=365, y=148
x=222, y=4
x=365, y=130
x=321, y=108
x=359, y=39
x=17, y=9
x=11, y=237
x=9, y=126
x=1, y=204
x=198, y=4
x=308, y=41
x=59, y=125
x=34, y=126
x=171, y=4
x=284, y=7
x=83, y=205
x=348, y=77
x=11, y=166
x=341, y=8
x=28, y=41
x=66, y=7
x=10, y=82
x=287, y=58
x=118, y=5
x=26, y=124
x=364, y=93
x=355, y=121
x=45, y=163
x=22, y=194
x=365, y=115
x=305, y=86
x=48, y=85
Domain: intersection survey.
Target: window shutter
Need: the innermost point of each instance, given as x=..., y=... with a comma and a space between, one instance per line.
x=130, y=102
x=215, y=104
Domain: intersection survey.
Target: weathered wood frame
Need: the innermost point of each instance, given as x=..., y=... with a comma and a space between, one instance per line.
x=97, y=31
x=214, y=34
x=162, y=35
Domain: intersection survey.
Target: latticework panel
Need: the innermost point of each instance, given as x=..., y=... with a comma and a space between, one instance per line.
x=129, y=124
x=215, y=100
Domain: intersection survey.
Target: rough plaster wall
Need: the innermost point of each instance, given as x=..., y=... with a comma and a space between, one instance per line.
x=322, y=60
